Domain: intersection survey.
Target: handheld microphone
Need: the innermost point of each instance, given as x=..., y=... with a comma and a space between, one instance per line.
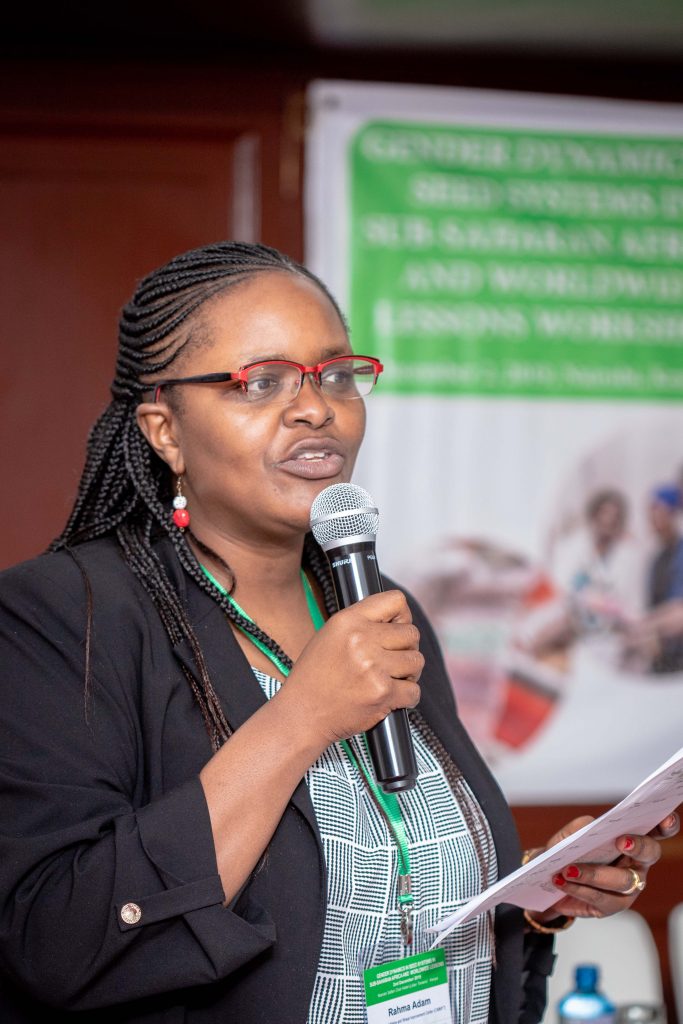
x=344, y=522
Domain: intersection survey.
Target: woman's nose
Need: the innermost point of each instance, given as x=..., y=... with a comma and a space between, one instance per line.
x=310, y=403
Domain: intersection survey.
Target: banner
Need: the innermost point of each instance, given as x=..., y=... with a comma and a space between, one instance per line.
x=516, y=262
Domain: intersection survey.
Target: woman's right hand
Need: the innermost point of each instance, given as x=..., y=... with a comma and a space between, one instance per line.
x=364, y=663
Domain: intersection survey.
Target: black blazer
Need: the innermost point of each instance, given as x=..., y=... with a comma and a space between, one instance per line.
x=101, y=806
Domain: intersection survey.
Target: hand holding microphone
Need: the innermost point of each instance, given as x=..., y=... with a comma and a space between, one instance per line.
x=344, y=522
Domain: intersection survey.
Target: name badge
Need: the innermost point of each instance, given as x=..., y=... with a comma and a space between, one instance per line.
x=409, y=991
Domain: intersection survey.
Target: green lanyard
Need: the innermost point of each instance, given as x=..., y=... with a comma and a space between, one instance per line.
x=388, y=802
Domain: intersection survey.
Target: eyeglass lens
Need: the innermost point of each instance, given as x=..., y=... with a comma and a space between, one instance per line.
x=281, y=382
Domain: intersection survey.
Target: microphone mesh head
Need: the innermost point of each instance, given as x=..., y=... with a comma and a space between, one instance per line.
x=342, y=511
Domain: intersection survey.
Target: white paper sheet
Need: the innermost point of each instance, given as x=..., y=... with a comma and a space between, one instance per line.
x=531, y=886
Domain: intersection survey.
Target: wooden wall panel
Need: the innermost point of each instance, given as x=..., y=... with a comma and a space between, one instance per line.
x=102, y=177
x=85, y=218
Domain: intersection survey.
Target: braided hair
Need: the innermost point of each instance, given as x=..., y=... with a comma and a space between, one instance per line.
x=125, y=487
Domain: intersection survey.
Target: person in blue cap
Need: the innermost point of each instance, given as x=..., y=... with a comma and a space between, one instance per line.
x=665, y=580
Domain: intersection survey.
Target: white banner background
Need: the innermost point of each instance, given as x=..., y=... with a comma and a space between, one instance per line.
x=481, y=487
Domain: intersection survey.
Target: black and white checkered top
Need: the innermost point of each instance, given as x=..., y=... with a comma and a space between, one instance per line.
x=362, y=926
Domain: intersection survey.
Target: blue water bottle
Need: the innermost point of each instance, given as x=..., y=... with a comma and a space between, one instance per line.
x=586, y=1002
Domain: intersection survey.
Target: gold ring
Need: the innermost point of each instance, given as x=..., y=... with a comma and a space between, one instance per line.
x=636, y=885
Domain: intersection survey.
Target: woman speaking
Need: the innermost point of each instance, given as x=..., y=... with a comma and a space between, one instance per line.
x=189, y=827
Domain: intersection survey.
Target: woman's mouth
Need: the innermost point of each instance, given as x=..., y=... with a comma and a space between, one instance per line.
x=314, y=463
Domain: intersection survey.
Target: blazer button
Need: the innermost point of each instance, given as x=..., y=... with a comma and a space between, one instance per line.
x=131, y=913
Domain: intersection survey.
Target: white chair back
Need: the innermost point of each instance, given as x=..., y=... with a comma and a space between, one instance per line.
x=624, y=949
x=675, y=927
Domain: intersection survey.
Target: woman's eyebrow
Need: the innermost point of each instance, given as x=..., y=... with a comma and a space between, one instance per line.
x=327, y=353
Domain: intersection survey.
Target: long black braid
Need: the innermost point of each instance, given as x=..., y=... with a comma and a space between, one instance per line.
x=126, y=489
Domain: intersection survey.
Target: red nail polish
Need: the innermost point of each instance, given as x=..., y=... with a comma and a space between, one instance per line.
x=559, y=880
x=572, y=871
x=628, y=843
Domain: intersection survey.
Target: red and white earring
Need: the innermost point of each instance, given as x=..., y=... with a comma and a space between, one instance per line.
x=181, y=517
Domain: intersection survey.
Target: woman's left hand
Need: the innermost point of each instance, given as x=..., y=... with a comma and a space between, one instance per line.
x=598, y=890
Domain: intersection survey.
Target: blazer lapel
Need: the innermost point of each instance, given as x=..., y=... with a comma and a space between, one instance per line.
x=449, y=729
x=438, y=707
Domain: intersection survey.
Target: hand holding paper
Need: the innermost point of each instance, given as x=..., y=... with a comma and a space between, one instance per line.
x=531, y=885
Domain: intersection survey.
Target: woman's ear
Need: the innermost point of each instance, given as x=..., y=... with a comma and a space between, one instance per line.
x=159, y=425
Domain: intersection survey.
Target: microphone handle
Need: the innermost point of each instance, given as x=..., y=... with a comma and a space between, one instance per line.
x=356, y=575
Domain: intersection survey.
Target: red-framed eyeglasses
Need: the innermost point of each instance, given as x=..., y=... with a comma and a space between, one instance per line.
x=279, y=380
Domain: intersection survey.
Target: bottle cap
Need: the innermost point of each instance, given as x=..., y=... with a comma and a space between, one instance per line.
x=586, y=975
